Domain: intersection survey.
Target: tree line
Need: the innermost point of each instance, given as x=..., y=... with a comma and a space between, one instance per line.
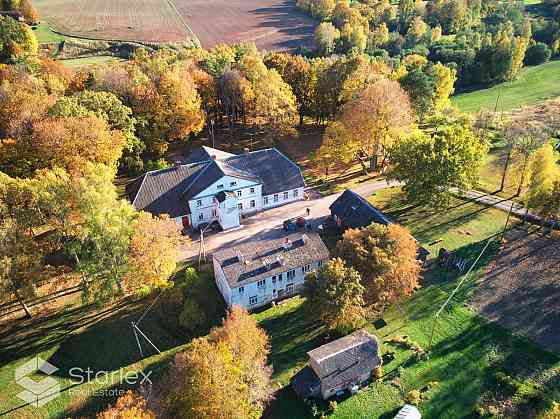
x=485, y=42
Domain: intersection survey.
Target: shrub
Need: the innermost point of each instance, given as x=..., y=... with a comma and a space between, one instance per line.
x=537, y=54
x=414, y=397
x=156, y=164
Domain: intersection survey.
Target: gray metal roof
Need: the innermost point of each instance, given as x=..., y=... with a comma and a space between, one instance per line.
x=356, y=212
x=346, y=358
x=168, y=191
x=252, y=261
x=201, y=154
x=276, y=172
x=161, y=191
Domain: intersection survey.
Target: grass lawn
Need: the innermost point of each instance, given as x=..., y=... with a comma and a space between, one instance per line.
x=467, y=351
x=97, y=337
x=533, y=85
x=463, y=223
x=45, y=35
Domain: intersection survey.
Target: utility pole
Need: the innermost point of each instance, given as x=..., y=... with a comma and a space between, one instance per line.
x=212, y=133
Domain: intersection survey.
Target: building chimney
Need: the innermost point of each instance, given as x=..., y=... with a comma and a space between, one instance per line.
x=246, y=150
x=213, y=157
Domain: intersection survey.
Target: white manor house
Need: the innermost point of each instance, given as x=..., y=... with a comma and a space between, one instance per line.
x=215, y=186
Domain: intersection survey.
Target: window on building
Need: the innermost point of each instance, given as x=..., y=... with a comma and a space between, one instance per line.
x=275, y=197
x=240, y=205
x=289, y=288
x=261, y=283
x=291, y=273
x=320, y=263
x=252, y=203
x=252, y=190
x=234, y=183
x=253, y=300
x=266, y=200
x=239, y=193
x=286, y=195
x=280, y=277
x=305, y=268
x=201, y=216
x=199, y=203
x=220, y=186
x=274, y=279
x=296, y=193
x=241, y=290
x=214, y=213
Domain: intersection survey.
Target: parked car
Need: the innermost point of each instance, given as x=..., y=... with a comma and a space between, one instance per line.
x=292, y=224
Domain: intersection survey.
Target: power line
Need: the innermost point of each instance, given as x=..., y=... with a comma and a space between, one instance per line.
x=438, y=313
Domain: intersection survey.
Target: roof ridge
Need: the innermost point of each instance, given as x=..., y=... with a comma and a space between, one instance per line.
x=200, y=172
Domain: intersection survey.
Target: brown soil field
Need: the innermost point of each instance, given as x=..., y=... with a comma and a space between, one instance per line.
x=521, y=288
x=127, y=20
x=270, y=24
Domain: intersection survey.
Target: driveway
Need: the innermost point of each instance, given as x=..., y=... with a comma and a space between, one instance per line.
x=268, y=224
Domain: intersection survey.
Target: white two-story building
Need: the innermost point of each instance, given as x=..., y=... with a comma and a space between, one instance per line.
x=214, y=186
x=256, y=273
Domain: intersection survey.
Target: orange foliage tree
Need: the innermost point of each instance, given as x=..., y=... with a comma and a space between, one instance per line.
x=153, y=251
x=223, y=376
x=129, y=406
x=385, y=257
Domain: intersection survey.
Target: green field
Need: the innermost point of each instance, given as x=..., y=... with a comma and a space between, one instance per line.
x=45, y=35
x=467, y=351
x=534, y=85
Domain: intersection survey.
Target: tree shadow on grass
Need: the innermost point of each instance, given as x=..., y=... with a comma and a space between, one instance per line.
x=292, y=335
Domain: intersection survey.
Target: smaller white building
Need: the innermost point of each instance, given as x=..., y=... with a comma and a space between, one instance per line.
x=256, y=273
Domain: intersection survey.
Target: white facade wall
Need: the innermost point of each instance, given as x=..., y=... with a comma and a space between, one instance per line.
x=293, y=195
x=203, y=206
x=270, y=291
x=222, y=283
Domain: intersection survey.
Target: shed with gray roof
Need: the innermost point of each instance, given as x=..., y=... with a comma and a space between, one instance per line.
x=337, y=366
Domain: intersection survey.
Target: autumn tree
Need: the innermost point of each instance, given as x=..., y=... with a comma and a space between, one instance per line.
x=73, y=142
x=109, y=108
x=335, y=294
x=430, y=164
x=375, y=117
x=161, y=93
x=385, y=257
x=131, y=405
x=104, y=227
x=326, y=36
x=224, y=375
x=544, y=182
x=17, y=41
x=153, y=251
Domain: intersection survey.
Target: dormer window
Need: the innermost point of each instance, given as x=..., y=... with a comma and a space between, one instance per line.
x=234, y=183
x=220, y=186
x=199, y=203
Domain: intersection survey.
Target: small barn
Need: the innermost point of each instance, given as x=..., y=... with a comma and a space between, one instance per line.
x=341, y=365
x=351, y=210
